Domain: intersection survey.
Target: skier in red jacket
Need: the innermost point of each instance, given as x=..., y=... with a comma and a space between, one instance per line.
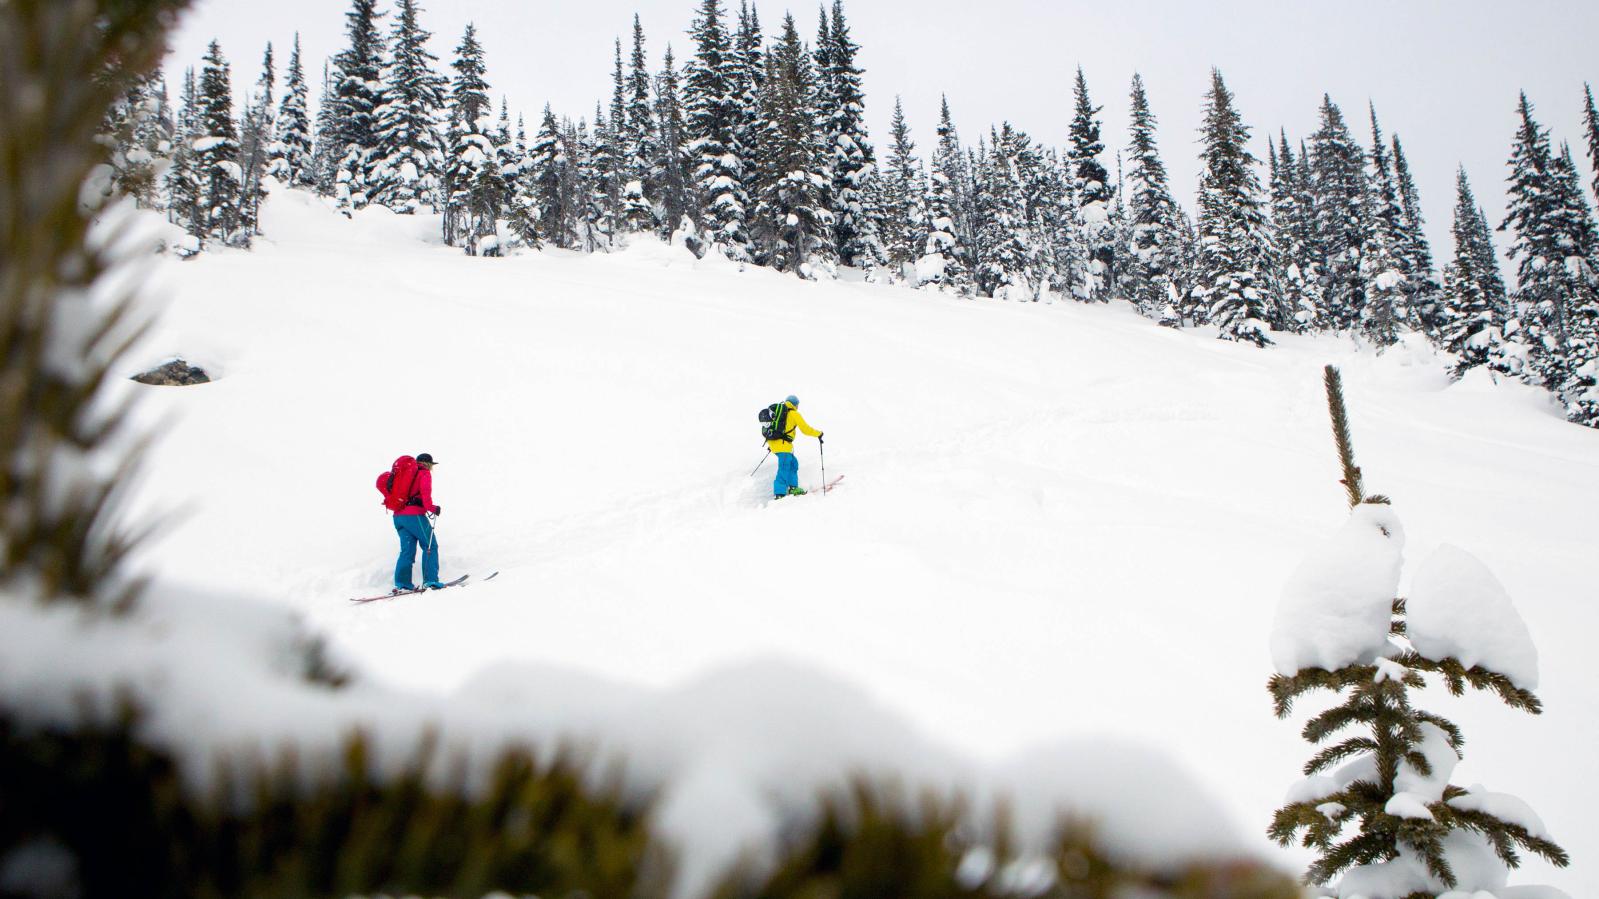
x=415, y=526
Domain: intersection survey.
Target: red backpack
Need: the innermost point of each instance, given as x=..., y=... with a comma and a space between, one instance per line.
x=398, y=484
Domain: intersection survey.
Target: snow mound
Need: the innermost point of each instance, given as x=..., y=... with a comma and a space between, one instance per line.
x=1336, y=608
x=1146, y=809
x=1458, y=609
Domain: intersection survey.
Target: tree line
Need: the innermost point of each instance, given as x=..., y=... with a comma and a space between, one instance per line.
x=756, y=149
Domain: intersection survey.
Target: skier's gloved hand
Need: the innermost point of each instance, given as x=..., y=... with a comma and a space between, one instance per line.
x=818, y=436
x=437, y=511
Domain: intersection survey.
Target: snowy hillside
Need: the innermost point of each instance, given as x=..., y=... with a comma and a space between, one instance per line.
x=1061, y=525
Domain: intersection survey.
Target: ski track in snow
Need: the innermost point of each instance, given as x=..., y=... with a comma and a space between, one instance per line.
x=1059, y=520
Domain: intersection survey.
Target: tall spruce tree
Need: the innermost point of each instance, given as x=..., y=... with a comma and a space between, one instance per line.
x=255, y=138
x=856, y=226
x=519, y=210
x=1473, y=313
x=598, y=167
x=943, y=261
x=717, y=170
x=216, y=154
x=904, y=199
x=408, y=157
x=671, y=165
x=1091, y=183
x=182, y=182
x=1236, y=261
x=547, y=163
x=327, y=146
x=472, y=186
x=794, y=217
x=1292, y=215
x=290, y=156
x=1071, y=243
x=1425, y=299
x=1341, y=226
x=1154, y=219
x=586, y=184
x=637, y=128
x=1580, y=390
x=1388, y=284
x=1005, y=245
x=1551, y=247
x=747, y=75
x=357, y=86
x=1044, y=192
x=1590, y=127
x=608, y=151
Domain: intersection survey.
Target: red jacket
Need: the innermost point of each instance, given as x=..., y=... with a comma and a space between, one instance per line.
x=422, y=487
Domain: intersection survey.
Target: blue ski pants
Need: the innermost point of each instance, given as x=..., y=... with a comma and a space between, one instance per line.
x=416, y=530
x=787, y=474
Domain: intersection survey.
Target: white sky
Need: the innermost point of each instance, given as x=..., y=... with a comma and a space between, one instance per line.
x=1444, y=74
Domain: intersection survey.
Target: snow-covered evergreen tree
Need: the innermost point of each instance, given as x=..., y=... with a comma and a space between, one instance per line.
x=1552, y=246
x=255, y=139
x=904, y=197
x=1236, y=261
x=597, y=165
x=327, y=146
x=216, y=154
x=1415, y=253
x=638, y=143
x=1590, y=127
x=671, y=167
x=1341, y=228
x=747, y=74
x=1580, y=390
x=1474, y=306
x=139, y=132
x=473, y=188
x=1151, y=269
x=1388, y=284
x=794, y=216
x=943, y=261
x=717, y=171
x=1377, y=806
x=1292, y=216
x=1091, y=183
x=521, y=207
x=358, y=87
x=409, y=156
x=290, y=155
x=546, y=169
x=1005, y=247
x=843, y=122
x=182, y=181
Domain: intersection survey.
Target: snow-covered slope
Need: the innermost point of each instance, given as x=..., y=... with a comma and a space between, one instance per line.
x=1059, y=521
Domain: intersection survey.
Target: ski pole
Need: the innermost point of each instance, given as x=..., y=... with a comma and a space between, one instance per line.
x=821, y=447
x=762, y=462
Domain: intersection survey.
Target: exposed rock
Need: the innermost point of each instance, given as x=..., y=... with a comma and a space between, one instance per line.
x=176, y=373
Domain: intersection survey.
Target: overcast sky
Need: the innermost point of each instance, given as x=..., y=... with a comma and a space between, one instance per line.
x=1444, y=74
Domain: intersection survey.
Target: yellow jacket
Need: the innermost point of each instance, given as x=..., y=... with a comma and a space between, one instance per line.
x=794, y=420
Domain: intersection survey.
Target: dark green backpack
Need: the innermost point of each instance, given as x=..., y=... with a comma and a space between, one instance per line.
x=774, y=421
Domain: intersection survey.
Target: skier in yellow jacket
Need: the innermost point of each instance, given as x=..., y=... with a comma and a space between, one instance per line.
x=787, y=481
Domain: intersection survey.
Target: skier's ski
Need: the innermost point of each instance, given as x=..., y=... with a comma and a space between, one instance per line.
x=825, y=488
x=455, y=583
